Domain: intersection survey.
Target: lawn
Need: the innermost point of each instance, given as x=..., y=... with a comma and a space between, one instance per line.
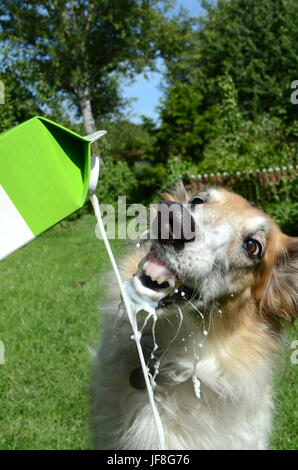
x=49, y=301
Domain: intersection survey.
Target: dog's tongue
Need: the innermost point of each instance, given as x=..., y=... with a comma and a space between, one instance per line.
x=157, y=271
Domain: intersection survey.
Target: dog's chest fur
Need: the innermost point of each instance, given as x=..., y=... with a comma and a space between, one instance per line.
x=234, y=370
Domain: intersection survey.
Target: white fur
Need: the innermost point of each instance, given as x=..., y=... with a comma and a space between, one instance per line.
x=234, y=411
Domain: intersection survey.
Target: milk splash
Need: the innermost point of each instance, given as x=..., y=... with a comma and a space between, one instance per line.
x=136, y=298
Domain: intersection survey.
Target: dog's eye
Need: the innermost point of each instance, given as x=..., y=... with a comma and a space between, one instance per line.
x=196, y=200
x=253, y=248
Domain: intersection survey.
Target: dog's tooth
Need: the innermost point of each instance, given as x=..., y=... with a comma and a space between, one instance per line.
x=157, y=272
x=161, y=279
x=151, y=273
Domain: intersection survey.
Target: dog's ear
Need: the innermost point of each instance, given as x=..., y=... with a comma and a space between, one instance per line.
x=280, y=295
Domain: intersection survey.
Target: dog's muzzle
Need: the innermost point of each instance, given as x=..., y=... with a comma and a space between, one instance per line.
x=173, y=224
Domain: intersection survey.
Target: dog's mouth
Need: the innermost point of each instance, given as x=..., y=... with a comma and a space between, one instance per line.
x=158, y=272
x=157, y=275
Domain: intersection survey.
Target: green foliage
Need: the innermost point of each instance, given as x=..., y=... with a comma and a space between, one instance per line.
x=20, y=102
x=86, y=47
x=228, y=102
x=116, y=179
x=124, y=139
x=151, y=180
x=243, y=144
x=282, y=203
x=285, y=214
x=255, y=41
x=178, y=44
x=234, y=142
x=185, y=126
x=124, y=170
x=26, y=92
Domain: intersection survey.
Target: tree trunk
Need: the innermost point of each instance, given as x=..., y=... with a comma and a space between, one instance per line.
x=86, y=109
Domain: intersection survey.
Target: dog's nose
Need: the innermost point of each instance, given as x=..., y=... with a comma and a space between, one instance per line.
x=173, y=223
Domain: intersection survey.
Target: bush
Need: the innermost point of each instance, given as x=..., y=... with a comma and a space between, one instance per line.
x=186, y=127
x=285, y=214
x=247, y=145
x=116, y=178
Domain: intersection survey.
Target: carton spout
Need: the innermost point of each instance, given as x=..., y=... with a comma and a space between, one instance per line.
x=95, y=136
x=94, y=174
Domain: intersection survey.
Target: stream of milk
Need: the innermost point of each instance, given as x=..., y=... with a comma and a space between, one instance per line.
x=136, y=298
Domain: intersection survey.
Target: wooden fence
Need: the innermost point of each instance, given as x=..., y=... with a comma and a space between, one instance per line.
x=255, y=185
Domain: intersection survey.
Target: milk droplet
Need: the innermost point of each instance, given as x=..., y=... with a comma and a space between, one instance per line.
x=197, y=386
x=205, y=332
x=182, y=294
x=138, y=245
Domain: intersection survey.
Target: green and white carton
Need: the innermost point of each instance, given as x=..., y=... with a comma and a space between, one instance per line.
x=46, y=173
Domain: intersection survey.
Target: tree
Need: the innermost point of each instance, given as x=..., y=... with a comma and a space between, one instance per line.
x=20, y=102
x=255, y=42
x=83, y=47
x=186, y=125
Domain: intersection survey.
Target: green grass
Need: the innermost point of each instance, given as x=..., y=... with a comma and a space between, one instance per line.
x=285, y=430
x=49, y=300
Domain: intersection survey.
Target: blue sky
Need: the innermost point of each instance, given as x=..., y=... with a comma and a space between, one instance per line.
x=147, y=92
